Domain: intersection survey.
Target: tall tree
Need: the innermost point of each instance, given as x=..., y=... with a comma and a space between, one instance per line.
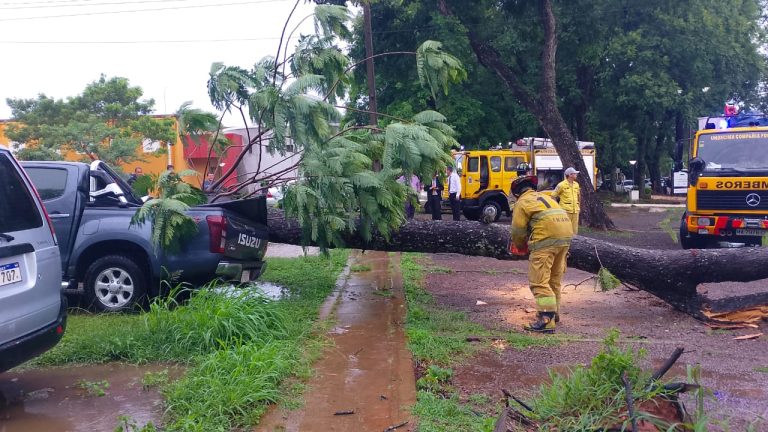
x=108, y=121
x=541, y=101
x=481, y=115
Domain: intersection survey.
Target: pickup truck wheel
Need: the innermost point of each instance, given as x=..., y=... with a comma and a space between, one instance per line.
x=114, y=283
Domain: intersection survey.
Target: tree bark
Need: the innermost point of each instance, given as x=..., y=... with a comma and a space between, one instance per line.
x=543, y=105
x=672, y=276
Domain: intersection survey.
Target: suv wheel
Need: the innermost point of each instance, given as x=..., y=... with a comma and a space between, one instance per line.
x=114, y=283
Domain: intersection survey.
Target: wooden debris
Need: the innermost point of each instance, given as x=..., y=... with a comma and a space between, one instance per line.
x=748, y=337
x=630, y=400
x=716, y=326
x=667, y=364
x=397, y=426
x=341, y=413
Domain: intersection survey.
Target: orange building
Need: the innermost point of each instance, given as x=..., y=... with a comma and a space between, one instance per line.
x=190, y=154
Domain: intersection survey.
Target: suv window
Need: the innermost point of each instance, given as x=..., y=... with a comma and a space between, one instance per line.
x=50, y=183
x=18, y=211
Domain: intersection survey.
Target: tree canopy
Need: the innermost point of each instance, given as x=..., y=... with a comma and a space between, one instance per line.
x=107, y=121
x=297, y=97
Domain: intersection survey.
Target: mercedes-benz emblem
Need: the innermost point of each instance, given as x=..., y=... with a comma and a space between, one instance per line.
x=753, y=200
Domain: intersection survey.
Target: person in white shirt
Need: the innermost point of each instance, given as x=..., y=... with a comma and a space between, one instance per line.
x=454, y=192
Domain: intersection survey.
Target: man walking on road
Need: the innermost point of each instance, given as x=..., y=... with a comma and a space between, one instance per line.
x=541, y=226
x=454, y=192
x=568, y=194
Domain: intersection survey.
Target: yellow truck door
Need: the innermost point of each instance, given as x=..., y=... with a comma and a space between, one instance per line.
x=471, y=177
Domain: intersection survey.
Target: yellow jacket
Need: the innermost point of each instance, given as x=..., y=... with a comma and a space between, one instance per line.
x=569, y=196
x=538, y=219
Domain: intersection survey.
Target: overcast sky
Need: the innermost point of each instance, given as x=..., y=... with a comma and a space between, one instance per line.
x=166, y=47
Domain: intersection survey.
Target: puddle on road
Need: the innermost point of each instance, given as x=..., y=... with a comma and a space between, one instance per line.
x=54, y=400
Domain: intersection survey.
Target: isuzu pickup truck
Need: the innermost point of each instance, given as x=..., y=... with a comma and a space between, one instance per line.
x=113, y=263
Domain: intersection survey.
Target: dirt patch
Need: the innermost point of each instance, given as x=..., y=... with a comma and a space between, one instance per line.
x=495, y=294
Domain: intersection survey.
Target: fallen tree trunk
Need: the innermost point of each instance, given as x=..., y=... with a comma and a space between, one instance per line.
x=671, y=275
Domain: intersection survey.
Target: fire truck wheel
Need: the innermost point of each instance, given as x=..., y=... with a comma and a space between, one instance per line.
x=690, y=240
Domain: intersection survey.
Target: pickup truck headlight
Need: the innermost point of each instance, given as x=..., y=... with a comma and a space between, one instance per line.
x=702, y=221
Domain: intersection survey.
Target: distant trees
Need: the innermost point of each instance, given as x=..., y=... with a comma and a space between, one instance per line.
x=631, y=76
x=107, y=121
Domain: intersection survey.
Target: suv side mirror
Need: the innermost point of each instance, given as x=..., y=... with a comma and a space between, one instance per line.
x=695, y=166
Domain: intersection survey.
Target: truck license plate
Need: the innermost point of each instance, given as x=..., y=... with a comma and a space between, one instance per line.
x=10, y=273
x=750, y=232
x=246, y=276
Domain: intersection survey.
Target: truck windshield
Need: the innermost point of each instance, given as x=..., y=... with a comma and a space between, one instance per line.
x=734, y=151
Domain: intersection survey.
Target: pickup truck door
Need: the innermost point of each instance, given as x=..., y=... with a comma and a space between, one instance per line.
x=56, y=184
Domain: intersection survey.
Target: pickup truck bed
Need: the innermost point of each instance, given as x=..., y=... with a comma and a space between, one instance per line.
x=114, y=262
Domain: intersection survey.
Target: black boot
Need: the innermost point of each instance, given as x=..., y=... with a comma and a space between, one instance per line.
x=545, y=323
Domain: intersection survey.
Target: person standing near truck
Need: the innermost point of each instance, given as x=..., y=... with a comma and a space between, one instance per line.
x=568, y=195
x=434, y=198
x=454, y=192
x=540, y=226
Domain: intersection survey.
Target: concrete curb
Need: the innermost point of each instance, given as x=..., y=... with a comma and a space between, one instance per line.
x=648, y=205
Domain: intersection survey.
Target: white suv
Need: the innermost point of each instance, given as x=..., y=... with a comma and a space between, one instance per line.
x=32, y=307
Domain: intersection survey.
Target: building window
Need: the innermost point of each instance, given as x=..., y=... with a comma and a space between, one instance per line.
x=149, y=146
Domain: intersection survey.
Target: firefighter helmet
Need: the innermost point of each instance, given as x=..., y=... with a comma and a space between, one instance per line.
x=523, y=182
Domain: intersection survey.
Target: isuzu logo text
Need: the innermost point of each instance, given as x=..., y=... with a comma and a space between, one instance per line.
x=249, y=241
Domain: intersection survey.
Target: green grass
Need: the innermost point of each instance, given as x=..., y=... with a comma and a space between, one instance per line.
x=439, y=269
x=154, y=379
x=523, y=341
x=762, y=369
x=437, y=339
x=671, y=223
x=435, y=335
x=359, y=268
x=439, y=413
x=608, y=233
x=94, y=388
x=241, y=349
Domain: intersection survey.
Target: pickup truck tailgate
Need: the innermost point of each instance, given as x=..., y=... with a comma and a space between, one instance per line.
x=245, y=240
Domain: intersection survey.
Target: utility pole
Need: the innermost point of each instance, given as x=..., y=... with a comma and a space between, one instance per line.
x=373, y=118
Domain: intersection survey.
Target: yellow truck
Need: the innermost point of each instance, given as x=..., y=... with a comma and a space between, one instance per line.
x=486, y=175
x=727, y=199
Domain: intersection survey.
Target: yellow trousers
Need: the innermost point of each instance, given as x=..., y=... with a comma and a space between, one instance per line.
x=545, y=273
x=574, y=217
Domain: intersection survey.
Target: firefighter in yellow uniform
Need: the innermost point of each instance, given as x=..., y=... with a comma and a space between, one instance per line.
x=540, y=226
x=568, y=194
